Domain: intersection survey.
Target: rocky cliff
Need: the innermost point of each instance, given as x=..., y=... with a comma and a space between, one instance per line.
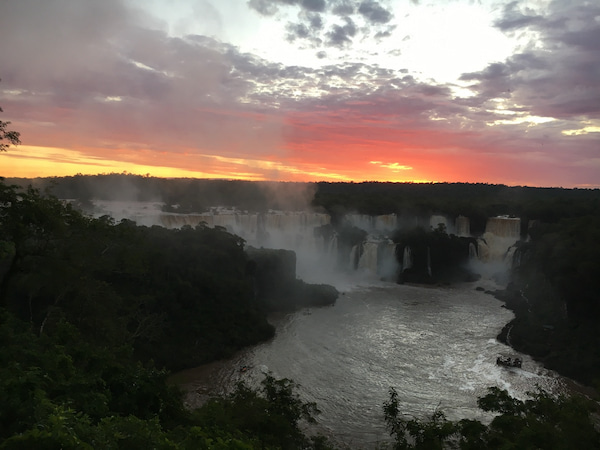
x=275, y=282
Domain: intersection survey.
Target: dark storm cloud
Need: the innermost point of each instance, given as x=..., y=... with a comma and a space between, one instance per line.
x=343, y=8
x=264, y=7
x=341, y=35
x=313, y=5
x=513, y=18
x=270, y=7
x=559, y=76
x=310, y=25
x=308, y=30
x=374, y=12
x=297, y=31
x=315, y=21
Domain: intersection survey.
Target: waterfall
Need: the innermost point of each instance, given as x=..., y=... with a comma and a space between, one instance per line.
x=509, y=256
x=387, y=264
x=311, y=235
x=407, y=261
x=504, y=226
x=388, y=222
x=462, y=226
x=353, y=258
x=373, y=224
x=501, y=233
x=429, y=260
x=332, y=248
x=368, y=257
x=472, y=252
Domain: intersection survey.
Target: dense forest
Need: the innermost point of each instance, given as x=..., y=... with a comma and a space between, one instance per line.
x=94, y=314
x=477, y=201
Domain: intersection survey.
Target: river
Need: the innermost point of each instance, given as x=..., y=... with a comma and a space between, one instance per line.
x=435, y=345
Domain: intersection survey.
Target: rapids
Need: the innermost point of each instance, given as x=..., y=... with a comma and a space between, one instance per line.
x=436, y=346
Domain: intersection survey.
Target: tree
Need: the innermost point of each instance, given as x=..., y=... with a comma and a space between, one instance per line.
x=7, y=135
x=271, y=415
x=435, y=432
x=542, y=421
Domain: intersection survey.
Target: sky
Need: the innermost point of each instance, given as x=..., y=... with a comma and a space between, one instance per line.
x=501, y=92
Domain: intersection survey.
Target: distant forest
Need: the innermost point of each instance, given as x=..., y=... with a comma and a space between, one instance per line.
x=477, y=201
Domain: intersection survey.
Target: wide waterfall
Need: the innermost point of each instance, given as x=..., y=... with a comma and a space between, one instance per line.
x=319, y=249
x=504, y=226
x=275, y=229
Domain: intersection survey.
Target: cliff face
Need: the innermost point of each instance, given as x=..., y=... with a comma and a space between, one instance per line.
x=433, y=257
x=275, y=283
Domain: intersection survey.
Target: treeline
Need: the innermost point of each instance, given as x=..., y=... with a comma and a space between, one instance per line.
x=477, y=201
x=184, y=195
x=181, y=297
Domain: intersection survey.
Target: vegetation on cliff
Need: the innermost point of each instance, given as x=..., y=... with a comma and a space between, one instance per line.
x=275, y=282
x=555, y=295
x=542, y=421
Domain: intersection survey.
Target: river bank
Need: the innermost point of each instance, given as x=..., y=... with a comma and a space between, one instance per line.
x=555, y=345
x=435, y=345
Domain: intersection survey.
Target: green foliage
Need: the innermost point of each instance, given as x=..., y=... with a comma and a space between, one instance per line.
x=542, y=421
x=271, y=416
x=11, y=137
x=87, y=305
x=180, y=297
x=432, y=433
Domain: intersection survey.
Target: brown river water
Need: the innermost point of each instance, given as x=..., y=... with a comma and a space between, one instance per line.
x=435, y=345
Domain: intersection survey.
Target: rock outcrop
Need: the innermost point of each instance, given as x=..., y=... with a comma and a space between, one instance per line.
x=276, y=285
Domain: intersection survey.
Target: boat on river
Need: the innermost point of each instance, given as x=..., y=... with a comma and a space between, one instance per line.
x=509, y=361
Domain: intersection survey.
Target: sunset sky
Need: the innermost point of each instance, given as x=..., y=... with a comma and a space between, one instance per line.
x=304, y=90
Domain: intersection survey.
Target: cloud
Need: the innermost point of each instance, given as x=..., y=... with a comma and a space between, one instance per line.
x=313, y=5
x=264, y=7
x=343, y=8
x=557, y=75
x=514, y=19
x=341, y=35
x=394, y=167
x=308, y=30
x=271, y=7
x=374, y=12
x=318, y=20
